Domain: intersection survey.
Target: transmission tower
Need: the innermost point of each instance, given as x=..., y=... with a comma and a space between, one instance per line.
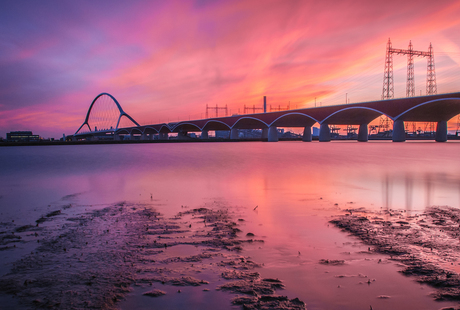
x=388, y=88
x=279, y=108
x=410, y=84
x=388, y=85
x=253, y=109
x=431, y=88
x=216, y=108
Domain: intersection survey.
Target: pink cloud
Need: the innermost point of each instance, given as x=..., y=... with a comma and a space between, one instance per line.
x=168, y=61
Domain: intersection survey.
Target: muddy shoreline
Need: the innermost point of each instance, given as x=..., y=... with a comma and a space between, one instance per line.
x=426, y=245
x=93, y=259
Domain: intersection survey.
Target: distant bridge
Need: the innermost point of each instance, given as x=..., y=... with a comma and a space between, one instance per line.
x=434, y=108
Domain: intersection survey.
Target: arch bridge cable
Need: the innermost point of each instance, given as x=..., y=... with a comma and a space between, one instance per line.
x=104, y=114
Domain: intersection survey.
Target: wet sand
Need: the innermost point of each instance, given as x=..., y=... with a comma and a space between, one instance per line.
x=92, y=260
x=130, y=256
x=425, y=246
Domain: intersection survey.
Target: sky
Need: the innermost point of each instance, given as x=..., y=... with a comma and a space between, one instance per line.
x=165, y=60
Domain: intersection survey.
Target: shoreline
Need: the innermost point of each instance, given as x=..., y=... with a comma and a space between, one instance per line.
x=424, y=245
x=96, y=258
x=197, y=140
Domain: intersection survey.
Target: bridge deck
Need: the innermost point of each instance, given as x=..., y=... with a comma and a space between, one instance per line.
x=433, y=108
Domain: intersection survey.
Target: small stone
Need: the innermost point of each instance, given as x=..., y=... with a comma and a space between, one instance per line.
x=154, y=293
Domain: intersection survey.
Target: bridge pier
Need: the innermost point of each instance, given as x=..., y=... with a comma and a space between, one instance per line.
x=234, y=134
x=264, y=133
x=144, y=137
x=163, y=136
x=131, y=136
x=204, y=135
x=363, y=135
x=307, y=134
x=116, y=137
x=182, y=135
x=399, y=132
x=441, y=131
x=324, y=133
x=272, y=134
x=151, y=136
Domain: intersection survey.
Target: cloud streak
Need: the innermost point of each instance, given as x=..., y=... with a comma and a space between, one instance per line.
x=167, y=60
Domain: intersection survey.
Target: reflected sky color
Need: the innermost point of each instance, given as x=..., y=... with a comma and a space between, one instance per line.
x=296, y=187
x=165, y=61
x=375, y=175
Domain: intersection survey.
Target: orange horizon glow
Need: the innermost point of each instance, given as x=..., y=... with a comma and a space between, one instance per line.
x=165, y=61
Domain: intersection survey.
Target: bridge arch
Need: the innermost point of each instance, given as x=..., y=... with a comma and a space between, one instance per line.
x=149, y=129
x=215, y=125
x=348, y=116
x=294, y=119
x=112, y=126
x=135, y=130
x=248, y=122
x=185, y=127
x=435, y=110
x=164, y=129
x=122, y=131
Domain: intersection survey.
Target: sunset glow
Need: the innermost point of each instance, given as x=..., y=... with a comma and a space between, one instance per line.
x=165, y=60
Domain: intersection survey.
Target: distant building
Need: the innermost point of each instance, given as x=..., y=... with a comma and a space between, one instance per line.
x=225, y=134
x=315, y=132
x=21, y=136
x=290, y=135
x=250, y=133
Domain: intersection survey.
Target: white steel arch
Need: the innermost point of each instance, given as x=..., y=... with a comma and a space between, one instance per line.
x=120, y=109
x=294, y=113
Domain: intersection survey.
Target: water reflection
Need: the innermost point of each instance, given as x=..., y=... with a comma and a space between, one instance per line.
x=386, y=192
x=409, y=186
x=407, y=176
x=296, y=186
x=428, y=190
x=419, y=191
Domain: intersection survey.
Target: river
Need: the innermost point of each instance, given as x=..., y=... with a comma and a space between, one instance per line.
x=286, y=192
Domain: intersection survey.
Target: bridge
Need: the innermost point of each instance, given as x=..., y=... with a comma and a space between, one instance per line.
x=438, y=108
x=432, y=108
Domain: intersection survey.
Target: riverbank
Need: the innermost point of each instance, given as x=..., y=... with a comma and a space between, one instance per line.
x=94, y=259
x=425, y=245
x=197, y=140
x=98, y=142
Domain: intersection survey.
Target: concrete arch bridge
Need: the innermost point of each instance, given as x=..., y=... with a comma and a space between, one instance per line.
x=434, y=108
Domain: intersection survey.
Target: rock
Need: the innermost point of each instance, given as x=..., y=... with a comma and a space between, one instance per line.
x=266, y=302
x=53, y=213
x=333, y=262
x=252, y=287
x=154, y=293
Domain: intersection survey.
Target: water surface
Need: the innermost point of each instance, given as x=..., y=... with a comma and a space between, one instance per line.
x=287, y=192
